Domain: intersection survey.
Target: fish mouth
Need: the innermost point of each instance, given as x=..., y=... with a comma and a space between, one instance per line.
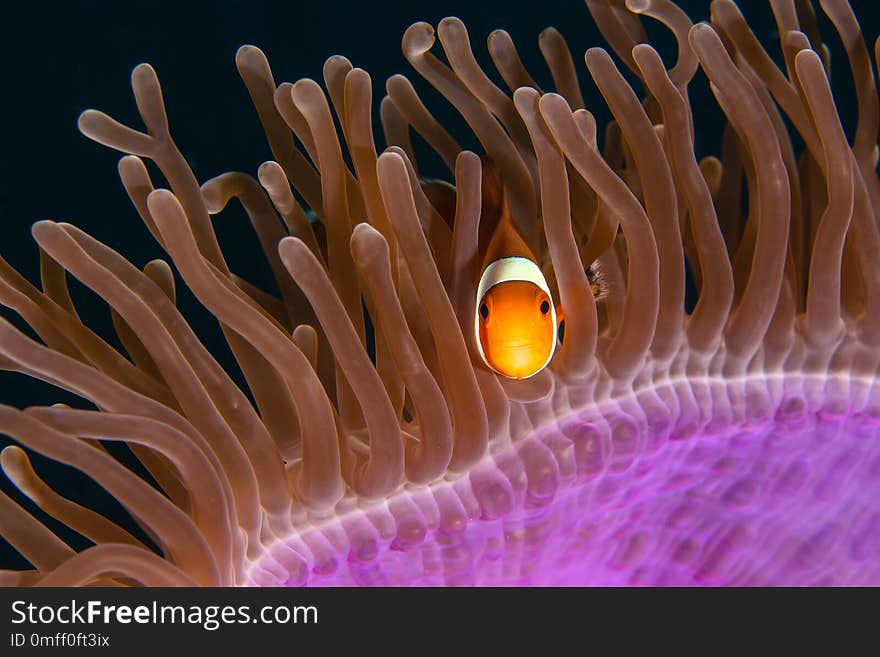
x=520, y=345
x=520, y=359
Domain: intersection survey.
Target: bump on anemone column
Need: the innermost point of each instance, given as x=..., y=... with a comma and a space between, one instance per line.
x=730, y=441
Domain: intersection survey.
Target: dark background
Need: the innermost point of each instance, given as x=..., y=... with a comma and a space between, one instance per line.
x=60, y=58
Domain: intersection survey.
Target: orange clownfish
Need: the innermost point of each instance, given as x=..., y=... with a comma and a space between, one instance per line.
x=516, y=324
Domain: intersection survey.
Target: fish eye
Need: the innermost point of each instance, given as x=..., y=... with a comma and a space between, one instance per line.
x=484, y=310
x=545, y=307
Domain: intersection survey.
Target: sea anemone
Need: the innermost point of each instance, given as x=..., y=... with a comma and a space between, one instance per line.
x=727, y=441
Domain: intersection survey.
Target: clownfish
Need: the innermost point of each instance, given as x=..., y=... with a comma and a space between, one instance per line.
x=516, y=324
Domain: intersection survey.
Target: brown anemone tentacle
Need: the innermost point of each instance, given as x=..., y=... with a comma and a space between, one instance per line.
x=382, y=471
x=54, y=282
x=277, y=186
x=706, y=323
x=823, y=322
x=336, y=69
x=30, y=537
x=561, y=64
x=295, y=120
x=752, y=315
x=604, y=229
x=305, y=336
x=868, y=119
x=407, y=102
x=43, y=363
x=184, y=362
x=185, y=544
x=677, y=21
x=40, y=362
x=464, y=269
x=633, y=339
x=426, y=459
x=64, y=331
x=264, y=381
x=577, y=354
x=621, y=29
x=437, y=231
x=459, y=384
x=729, y=21
x=465, y=257
x=507, y=60
x=239, y=415
x=220, y=190
x=417, y=43
x=206, y=489
x=272, y=178
x=17, y=294
x=410, y=106
x=116, y=560
x=659, y=194
x=362, y=147
x=160, y=147
x=95, y=527
x=135, y=349
x=866, y=236
x=395, y=128
x=456, y=44
x=269, y=303
x=318, y=478
x=311, y=102
x=253, y=67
